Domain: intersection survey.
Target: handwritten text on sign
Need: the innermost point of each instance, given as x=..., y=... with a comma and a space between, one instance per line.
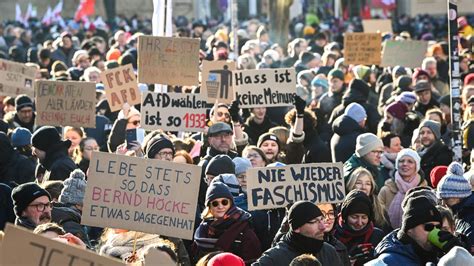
x=16, y=79
x=173, y=111
x=265, y=87
x=362, y=48
x=275, y=187
x=140, y=194
x=120, y=87
x=65, y=103
x=167, y=60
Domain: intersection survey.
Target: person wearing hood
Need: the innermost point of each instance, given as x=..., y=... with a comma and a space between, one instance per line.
x=14, y=166
x=52, y=153
x=225, y=227
x=305, y=236
x=355, y=227
x=346, y=129
x=24, y=116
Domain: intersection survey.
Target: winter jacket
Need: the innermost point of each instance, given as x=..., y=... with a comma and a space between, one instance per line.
x=422, y=108
x=464, y=214
x=385, y=94
x=354, y=162
x=14, y=166
x=63, y=55
x=58, y=163
x=254, y=130
x=437, y=154
x=343, y=141
x=316, y=150
x=69, y=218
x=328, y=102
x=101, y=131
x=6, y=211
x=13, y=122
x=118, y=135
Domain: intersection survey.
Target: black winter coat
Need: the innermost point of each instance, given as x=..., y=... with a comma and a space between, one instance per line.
x=316, y=150
x=254, y=130
x=343, y=141
x=69, y=218
x=438, y=154
x=421, y=108
x=14, y=166
x=58, y=163
x=464, y=214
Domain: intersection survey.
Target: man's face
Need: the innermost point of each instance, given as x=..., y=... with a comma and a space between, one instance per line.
x=427, y=138
x=431, y=69
x=67, y=42
x=424, y=97
x=314, y=63
x=302, y=47
x=313, y=229
x=420, y=235
x=335, y=85
x=221, y=141
x=259, y=112
x=25, y=114
x=38, y=211
x=40, y=154
x=374, y=156
x=270, y=148
x=222, y=115
x=165, y=154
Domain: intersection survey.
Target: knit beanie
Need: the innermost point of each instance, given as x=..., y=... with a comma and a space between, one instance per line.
x=336, y=73
x=407, y=97
x=446, y=100
x=230, y=180
x=359, y=86
x=46, y=138
x=320, y=82
x=419, y=72
x=220, y=164
x=26, y=193
x=22, y=101
x=366, y=143
x=453, y=184
x=361, y=71
x=398, y=71
x=397, y=110
x=241, y=165
x=21, y=137
x=403, y=83
x=437, y=173
x=468, y=79
x=156, y=144
x=419, y=210
x=414, y=192
x=217, y=190
x=434, y=126
x=74, y=188
x=457, y=256
x=356, y=112
x=357, y=201
x=302, y=212
x=411, y=153
x=268, y=136
x=422, y=85
x=226, y=259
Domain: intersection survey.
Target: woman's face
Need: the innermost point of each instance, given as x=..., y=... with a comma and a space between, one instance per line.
x=89, y=146
x=219, y=207
x=328, y=213
x=133, y=122
x=270, y=148
x=357, y=221
x=74, y=137
x=407, y=167
x=364, y=183
x=255, y=158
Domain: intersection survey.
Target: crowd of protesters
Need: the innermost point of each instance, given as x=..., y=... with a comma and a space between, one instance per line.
x=391, y=127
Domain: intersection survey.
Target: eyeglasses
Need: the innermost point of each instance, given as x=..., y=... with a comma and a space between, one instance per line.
x=165, y=154
x=223, y=202
x=227, y=115
x=378, y=152
x=430, y=227
x=135, y=123
x=41, y=206
x=329, y=215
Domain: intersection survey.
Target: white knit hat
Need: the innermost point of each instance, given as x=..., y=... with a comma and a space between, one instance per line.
x=366, y=143
x=453, y=184
x=411, y=153
x=457, y=256
x=356, y=112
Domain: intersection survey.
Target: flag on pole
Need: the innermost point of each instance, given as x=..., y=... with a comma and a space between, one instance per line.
x=18, y=16
x=47, y=16
x=84, y=9
x=27, y=16
x=56, y=14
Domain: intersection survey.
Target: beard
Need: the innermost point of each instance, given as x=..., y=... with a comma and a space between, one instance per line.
x=45, y=218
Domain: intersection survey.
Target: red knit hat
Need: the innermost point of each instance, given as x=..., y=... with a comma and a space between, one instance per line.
x=436, y=174
x=419, y=72
x=468, y=79
x=226, y=259
x=397, y=110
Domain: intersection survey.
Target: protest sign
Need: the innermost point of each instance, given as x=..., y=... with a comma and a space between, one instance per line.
x=404, y=53
x=173, y=111
x=16, y=79
x=65, y=103
x=362, y=48
x=276, y=187
x=168, y=60
x=377, y=25
x=141, y=194
x=217, y=80
x=22, y=247
x=265, y=87
x=120, y=87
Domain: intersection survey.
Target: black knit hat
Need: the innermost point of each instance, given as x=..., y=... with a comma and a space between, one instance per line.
x=302, y=212
x=419, y=210
x=268, y=136
x=220, y=164
x=357, y=202
x=22, y=101
x=26, y=193
x=46, y=138
x=156, y=144
x=359, y=85
x=218, y=190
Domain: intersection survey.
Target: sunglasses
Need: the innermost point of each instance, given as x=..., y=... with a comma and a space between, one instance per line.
x=430, y=227
x=223, y=202
x=135, y=123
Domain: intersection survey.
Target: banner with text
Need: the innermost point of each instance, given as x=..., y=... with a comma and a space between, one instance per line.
x=173, y=111
x=362, y=48
x=16, y=79
x=168, y=60
x=265, y=87
x=141, y=194
x=404, y=53
x=65, y=103
x=22, y=247
x=217, y=80
x=377, y=25
x=120, y=87
x=277, y=187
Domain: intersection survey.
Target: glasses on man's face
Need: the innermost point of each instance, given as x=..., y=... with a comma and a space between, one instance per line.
x=429, y=227
x=378, y=152
x=41, y=206
x=223, y=202
x=165, y=154
x=328, y=215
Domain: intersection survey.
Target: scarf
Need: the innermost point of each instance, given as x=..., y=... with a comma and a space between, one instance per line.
x=388, y=160
x=303, y=244
x=395, y=210
x=346, y=234
x=121, y=245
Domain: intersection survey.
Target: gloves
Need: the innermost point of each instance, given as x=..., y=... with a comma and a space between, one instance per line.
x=299, y=104
x=362, y=252
x=451, y=239
x=234, y=111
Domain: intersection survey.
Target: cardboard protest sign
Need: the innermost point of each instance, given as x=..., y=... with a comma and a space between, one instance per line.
x=265, y=87
x=276, y=187
x=404, y=53
x=217, y=80
x=16, y=79
x=377, y=25
x=120, y=87
x=22, y=247
x=141, y=194
x=173, y=111
x=168, y=60
x=362, y=48
x=65, y=103
x=157, y=257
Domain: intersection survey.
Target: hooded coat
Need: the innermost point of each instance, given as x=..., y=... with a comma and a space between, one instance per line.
x=343, y=141
x=464, y=213
x=58, y=162
x=437, y=154
x=69, y=218
x=14, y=166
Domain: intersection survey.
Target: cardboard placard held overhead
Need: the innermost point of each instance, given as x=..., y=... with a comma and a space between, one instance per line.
x=377, y=25
x=173, y=111
x=121, y=87
x=362, y=48
x=217, y=80
x=22, y=247
x=16, y=79
x=277, y=187
x=65, y=103
x=168, y=60
x=265, y=87
x=404, y=53
x=140, y=194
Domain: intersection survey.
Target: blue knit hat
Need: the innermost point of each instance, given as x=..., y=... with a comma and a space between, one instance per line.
x=21, y=137
x=453, y=184
x=217, y=190
x=241, y=165
x=356, y=112
x=321, y=82
x=230, y=180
